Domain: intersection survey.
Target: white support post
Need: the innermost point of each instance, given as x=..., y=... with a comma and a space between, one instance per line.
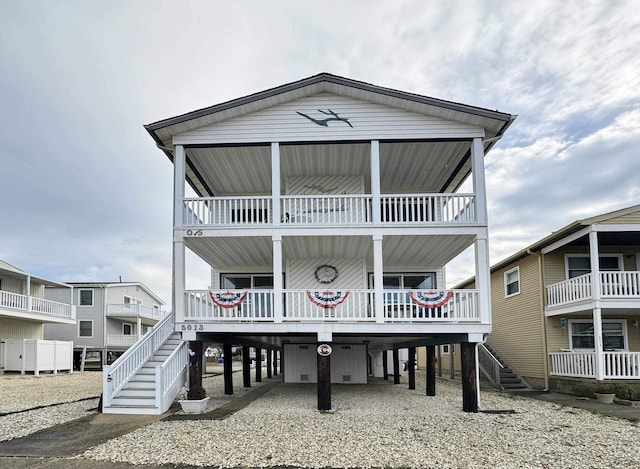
x=277, y=279
x=378, y=281
x=179, y=276
x=483, y=284
x=28, y=293
x=596, y=291
x=479, y=185
x=375, y=181
x=275, y=182
x=139, y=326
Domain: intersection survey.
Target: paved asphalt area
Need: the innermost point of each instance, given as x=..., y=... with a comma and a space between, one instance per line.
x=56, y=447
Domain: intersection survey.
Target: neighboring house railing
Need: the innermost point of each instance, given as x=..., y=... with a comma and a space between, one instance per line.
x=335, y=210
x=612, y=285
x=32, y=304
x=407, y=306
x=116, y=375
x=490, y=365
x=135, y=310
x=617, y=365
x=121, y=340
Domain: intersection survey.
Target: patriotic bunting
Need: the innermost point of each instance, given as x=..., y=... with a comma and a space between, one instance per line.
x=430, y=299
x=327, y=299
x=228, y=299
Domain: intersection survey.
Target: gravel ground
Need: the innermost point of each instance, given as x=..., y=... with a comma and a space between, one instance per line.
x=22, y=392
x=382, y=425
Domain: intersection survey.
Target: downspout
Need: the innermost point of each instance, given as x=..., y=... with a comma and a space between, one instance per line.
x=545, y=349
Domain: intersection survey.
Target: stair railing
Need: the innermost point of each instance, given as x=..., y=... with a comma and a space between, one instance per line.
x=116, y=375
x=490, y=365
x=169, y=372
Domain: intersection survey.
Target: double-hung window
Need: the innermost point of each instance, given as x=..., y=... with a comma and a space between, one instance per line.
x=85, y=297
x=580, y=264
x=512, y=282
x=85, y=328
x=614, y=335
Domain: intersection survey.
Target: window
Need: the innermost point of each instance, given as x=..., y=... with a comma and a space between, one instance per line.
x=246, y=281
x=580, y=264
x=85, y=328
x=85, y=297
x=444, y=349
x=127, y=329
x=407, y=281
x=512, y=282
x=613, y=335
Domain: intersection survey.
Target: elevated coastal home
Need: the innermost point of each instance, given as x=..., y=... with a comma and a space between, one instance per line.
x=566, y=309
x=327, y=209
x=111, y=317
x=24, y=311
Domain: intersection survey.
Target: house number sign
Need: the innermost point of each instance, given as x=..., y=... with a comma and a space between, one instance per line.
x=324, y=350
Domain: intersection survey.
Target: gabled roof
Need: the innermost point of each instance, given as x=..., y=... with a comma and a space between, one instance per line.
x=116, y=284
x=493, y=121
x=567, y=230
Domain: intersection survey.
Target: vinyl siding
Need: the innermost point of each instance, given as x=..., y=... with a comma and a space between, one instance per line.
x=517, y=321
x=370, y=121
x=16, y=329
x=630, y=218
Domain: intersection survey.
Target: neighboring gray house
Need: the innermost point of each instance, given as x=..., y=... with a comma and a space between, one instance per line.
x=111, y=317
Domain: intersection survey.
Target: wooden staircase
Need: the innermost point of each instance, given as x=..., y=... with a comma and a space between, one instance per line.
x=140, y=394
x=506, y=379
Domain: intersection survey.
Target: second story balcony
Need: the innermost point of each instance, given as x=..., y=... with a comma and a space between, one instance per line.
x=130, y=311
x=36, y=308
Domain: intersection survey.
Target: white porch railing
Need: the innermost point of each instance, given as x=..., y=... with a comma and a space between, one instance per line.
x=354, y=209
x=612, y=285
x=168, y=374
x=116, y=375
x=490, y=365
x=36, y=305
x=331, y=305
x=343, y=209
x=428, y=208
x=121, y=340
x=617, y=365
x=135, y=310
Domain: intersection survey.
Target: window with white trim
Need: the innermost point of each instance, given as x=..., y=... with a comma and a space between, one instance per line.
x=614, y=335
x=512, y=282
x=580, y=264
x=127, y=329
x=85, y=328
x=444, y=349
x=85, y=297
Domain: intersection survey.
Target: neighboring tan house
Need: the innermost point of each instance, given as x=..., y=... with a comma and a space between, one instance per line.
x=327, y=209
x=24, y=310
x=559, y=322
x=111, y=317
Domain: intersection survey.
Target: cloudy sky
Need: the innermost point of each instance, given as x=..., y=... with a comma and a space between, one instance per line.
x=86, y=196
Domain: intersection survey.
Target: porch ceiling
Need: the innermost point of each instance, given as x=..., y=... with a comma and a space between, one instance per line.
x=398, y=251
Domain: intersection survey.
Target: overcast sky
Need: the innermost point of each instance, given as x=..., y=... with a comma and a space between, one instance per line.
x=86, y=196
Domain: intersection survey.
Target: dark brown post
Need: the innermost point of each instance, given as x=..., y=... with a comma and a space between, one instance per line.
x=275, y=362
x=228, y=370
x=282, y=360
x=385, y=365
x=439, y=360
x=258, y=365
x=324, y=376
x=246, y=367
x=396, y=366
x=411, y=364
x=431, y=370
x=195, y=364
x=269, y=363
x=468, y=370
x=452, y=363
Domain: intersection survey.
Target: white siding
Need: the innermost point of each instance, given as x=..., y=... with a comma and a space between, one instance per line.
x=300, y=363
x=348, y=363
x=352, y=274
x=370, y=121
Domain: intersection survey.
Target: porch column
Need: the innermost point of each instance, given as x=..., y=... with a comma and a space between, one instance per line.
x=275, y=362
x=375, y=182
x=139, y=327
x=483, y=280
x=324, y=373
x=378, y=280
x=258, y=365
x=439, y=360
x=178, y=240
x=596, y=292
x=431, y=371
x=28, y=294
x=275, y=182
x=385, y=364
x=478, y=179
x=246, y=367
x=228, y=370
x=269, y=374
x=195, y=364
x=396, y=366
x=452, y=363
x=277, y=278
x=411, y=365
x=469, y=383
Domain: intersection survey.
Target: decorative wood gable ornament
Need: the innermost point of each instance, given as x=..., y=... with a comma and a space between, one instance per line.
x=325, y=122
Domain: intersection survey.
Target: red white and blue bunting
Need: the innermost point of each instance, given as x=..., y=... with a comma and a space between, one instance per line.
x=228, y=299
x=430, y=299
x=327, y=299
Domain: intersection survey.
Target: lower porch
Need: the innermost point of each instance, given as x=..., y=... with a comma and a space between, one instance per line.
x=616, y=365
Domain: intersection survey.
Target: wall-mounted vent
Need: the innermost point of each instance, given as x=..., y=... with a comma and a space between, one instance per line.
x=346, y=378
x=304, y=377
x=346, y=347
x=303, y=347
